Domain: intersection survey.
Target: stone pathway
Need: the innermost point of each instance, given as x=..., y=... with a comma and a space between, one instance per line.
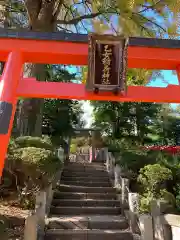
x=85, y=206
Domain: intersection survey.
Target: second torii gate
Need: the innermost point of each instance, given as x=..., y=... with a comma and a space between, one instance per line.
x=16, y=48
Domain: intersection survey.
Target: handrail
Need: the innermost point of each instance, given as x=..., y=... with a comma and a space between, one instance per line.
x=129, y=201
x=171, y=220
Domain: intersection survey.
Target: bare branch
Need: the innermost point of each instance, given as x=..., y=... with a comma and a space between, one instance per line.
x=75, y=21
x=150, y=21
x=152, y=7
x=64, y=29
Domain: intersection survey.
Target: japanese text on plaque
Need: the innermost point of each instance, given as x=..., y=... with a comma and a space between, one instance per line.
x=106, y=60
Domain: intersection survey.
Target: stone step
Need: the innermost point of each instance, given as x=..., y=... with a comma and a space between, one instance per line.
x=86, y=178
x=87, y=172
x=86, y=202
x=87, y=183
x=85, y=168
x=100, y=161
x=85, y=210
x=53, y=234
x=87, y=222
x=84, y=174
x=84, y=189
x=86, y=164
x=77, y=195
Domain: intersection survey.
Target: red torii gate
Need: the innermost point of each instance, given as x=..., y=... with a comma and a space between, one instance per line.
x=16, y=48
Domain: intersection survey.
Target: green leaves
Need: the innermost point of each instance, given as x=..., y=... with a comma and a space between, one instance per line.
x=153, y=176
x=60, y=116
x=125, y=120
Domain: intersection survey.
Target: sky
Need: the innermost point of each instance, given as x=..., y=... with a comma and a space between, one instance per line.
x=169, y=78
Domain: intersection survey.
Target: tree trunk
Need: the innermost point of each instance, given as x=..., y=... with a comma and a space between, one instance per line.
x=29, y=120
x=29, y=116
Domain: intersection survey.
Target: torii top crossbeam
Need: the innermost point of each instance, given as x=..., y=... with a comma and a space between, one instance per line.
x=70, y=48
x=63, y=48
x=16, y=48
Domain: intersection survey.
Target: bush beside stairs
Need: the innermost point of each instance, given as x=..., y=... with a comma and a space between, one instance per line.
x=84, y=206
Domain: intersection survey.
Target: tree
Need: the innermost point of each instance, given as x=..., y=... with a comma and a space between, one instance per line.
x=132, y=19
x=126, y=120
x=168, y=125
x=60, y=117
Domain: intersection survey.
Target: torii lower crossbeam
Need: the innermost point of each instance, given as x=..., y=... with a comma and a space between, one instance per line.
x=31, y=88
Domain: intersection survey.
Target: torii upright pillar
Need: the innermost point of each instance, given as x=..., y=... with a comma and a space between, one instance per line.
x=8, y=99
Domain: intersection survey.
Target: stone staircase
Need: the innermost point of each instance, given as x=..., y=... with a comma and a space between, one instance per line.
x=85, y=206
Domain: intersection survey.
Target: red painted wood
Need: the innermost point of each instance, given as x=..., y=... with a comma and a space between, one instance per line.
x=76, y=53
x=8, y=93
x=32, y=88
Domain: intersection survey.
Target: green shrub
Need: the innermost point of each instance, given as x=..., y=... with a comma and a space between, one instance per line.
x=28, y=141
x=73, y=148
x=153, y=179
x=147, y=197
x=33, y=168
x=145, y=202
x=171, y=162
x=12, y=145
x=177, y=191
x=47, y=139
x=136, y=159
x=32, y=164
x=80, y=141
x=36, y=159
x=168, y=197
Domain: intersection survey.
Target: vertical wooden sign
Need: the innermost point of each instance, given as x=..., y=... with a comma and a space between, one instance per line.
x=107, y=62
